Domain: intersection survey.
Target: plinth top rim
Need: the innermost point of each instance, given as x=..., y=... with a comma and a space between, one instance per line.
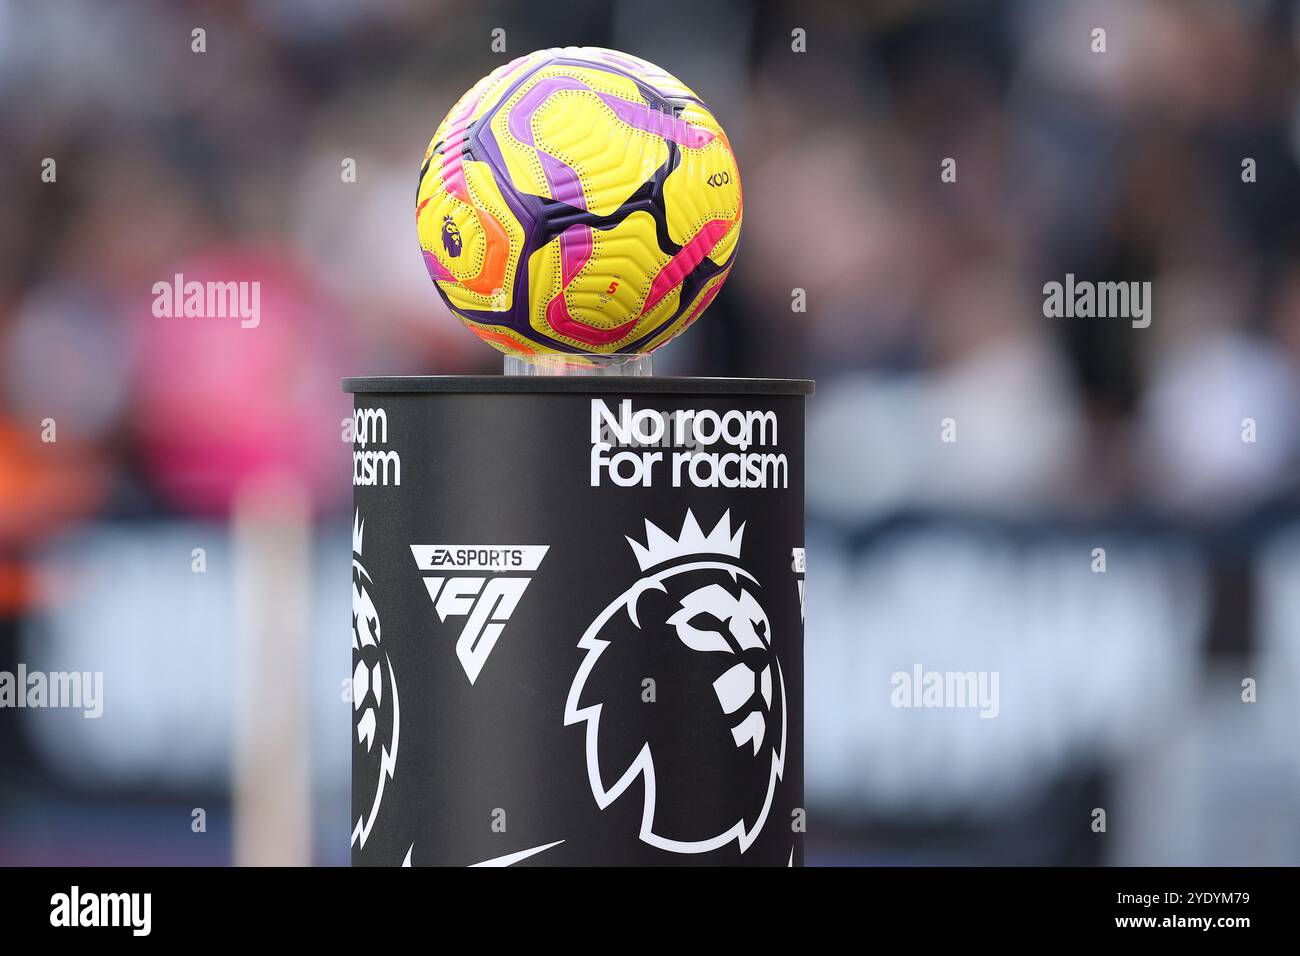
x=576, y=385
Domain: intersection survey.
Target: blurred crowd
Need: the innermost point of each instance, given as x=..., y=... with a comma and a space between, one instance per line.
x=1174, y=446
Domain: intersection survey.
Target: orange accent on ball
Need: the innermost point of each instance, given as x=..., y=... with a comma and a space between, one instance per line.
x=487, y=335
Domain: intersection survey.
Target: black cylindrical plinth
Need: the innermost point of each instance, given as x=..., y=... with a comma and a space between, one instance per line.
x=577, y=621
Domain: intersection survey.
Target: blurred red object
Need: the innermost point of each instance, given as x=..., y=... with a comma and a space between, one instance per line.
x=248, y=388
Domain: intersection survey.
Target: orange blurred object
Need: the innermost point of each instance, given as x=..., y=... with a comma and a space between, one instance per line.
x=43, y=486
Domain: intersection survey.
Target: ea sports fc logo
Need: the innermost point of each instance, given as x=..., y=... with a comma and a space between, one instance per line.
x=708, y=769
x=482, y=583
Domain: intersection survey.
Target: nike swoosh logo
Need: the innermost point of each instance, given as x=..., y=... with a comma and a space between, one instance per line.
x=511, y=858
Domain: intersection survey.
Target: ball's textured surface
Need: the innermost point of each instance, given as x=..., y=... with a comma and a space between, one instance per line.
x=578, y=200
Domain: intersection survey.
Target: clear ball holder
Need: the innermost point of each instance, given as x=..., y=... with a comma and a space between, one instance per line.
x=618, y=365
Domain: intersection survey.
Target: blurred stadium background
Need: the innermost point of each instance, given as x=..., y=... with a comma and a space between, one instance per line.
x=1119, y=690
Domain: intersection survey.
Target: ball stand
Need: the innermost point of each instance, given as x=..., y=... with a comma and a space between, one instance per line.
x=578, y=619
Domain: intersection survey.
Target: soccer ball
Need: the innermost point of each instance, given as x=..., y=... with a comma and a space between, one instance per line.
x=578, y=201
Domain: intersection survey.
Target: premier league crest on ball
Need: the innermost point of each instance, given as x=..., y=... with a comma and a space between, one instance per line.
x=450, y=237
x=696, y=610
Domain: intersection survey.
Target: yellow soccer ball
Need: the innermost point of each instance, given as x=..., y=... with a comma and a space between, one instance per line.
x=579, y=201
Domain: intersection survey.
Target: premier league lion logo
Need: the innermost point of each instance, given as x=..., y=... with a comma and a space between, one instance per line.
x=451, y=240
x=375, y=714
x=692, y=627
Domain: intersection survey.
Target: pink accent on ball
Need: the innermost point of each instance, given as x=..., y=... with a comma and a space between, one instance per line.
x=687, y=259
x=557, y=314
